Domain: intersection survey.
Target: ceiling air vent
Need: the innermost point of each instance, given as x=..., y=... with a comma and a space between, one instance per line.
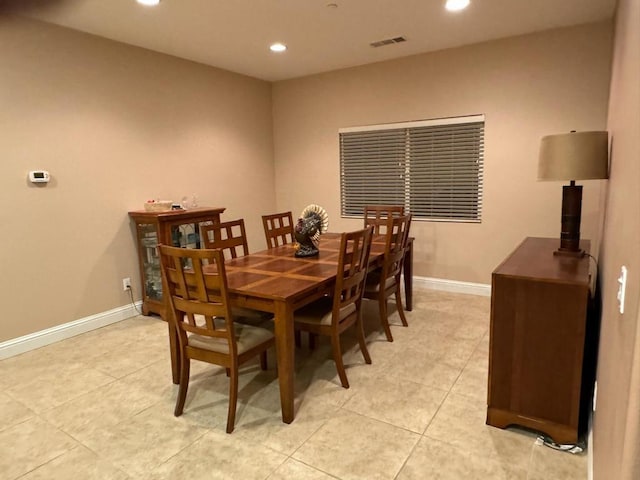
x=387, y=41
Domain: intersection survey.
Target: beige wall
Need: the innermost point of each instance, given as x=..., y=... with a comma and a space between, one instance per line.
x=527, y=87
x=115, y=125
x=617, y=418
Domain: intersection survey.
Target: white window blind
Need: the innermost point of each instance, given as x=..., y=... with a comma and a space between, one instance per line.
x=432, y=167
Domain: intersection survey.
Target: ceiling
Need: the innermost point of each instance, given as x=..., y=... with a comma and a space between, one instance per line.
x=235, y=34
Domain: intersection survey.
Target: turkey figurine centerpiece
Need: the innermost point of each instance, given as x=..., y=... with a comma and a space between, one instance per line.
x=313, y=221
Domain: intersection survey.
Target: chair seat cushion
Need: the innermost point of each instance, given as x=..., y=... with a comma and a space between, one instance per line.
x=247, y=337
x=251, y=317
x=373, y=283
x=320, y=312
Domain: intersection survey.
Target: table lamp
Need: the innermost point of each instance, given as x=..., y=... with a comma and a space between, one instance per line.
x=573, y=156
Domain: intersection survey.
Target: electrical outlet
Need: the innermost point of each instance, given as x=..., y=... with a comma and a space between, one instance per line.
x=126, y=284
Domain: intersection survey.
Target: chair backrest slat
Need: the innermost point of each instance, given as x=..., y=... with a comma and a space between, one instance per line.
x=353, y=261
x=377, y=215
x=396, y=240
x=278, y=229
x=230, y=237
x=196, y=284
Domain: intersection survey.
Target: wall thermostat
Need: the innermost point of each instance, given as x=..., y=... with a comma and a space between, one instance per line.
x=39, y=176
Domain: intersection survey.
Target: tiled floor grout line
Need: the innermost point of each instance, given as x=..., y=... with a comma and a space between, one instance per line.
x=460, y=375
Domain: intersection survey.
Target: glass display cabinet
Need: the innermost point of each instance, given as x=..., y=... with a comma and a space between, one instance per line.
x=180, y=228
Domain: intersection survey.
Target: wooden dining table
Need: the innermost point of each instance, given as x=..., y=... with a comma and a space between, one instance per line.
x=276, y=281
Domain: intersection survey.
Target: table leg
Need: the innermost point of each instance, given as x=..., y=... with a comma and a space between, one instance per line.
x=408, y=276
x=285, y=357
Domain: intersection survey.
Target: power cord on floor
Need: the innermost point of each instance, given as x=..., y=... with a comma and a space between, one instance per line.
x=133, y=303
x=566, y=447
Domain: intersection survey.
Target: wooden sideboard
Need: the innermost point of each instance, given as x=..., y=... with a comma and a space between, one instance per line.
x=174, y=227
x=539, y=326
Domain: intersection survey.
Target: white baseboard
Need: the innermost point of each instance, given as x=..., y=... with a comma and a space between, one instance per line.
x=41, y=338
x=454, y=286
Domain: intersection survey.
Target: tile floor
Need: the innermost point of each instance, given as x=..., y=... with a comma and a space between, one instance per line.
x=100, y=406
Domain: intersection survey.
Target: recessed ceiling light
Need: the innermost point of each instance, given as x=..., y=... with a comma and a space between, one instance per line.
x=148, y=3
x=278, y=47
x=456, y=5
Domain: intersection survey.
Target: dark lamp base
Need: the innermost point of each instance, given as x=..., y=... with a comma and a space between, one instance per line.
x=570, y=228
x=569, y=253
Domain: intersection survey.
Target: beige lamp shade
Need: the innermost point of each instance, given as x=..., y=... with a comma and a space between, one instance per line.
x=574, y=156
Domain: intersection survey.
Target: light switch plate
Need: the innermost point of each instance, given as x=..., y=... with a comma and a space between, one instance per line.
x=622, y=280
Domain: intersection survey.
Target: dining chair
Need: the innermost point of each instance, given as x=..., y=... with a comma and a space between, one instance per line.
x=385, y=281
x=278, y=229
x=231, y=238
x=330, y=316
x=377, y=215
x=200, y=312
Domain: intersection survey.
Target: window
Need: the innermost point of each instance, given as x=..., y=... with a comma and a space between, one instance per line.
x=432, y=167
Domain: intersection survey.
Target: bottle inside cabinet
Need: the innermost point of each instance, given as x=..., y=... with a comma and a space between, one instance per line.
x=150, y=261
x=185, y=236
